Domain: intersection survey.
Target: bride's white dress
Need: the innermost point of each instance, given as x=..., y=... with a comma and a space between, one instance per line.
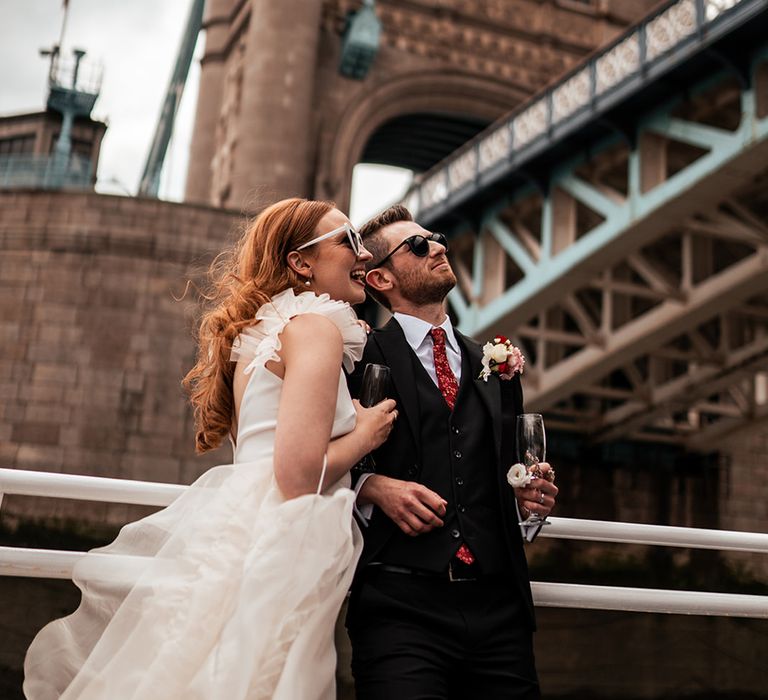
x=231, y=592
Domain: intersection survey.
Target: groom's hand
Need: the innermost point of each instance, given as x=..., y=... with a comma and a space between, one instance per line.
x=540, y=495
x=413, y=507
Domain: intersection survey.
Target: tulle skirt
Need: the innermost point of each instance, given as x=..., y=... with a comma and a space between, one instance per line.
x=231, y=592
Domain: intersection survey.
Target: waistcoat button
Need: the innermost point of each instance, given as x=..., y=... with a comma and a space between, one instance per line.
x=455, y=534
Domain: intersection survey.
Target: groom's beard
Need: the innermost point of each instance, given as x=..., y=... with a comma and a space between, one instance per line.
x=425, y=287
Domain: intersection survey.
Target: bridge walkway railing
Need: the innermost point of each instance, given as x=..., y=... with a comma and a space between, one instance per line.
x=45, y=563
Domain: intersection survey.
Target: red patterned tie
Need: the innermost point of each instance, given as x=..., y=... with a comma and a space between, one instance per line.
x=446, y=379
x=449, y=388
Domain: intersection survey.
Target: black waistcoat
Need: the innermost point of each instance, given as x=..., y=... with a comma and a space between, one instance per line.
x=457, y=462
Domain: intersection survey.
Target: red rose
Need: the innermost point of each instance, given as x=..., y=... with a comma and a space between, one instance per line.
x=502, y=368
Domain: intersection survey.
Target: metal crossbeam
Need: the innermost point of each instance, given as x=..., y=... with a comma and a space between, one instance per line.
x=672, y=36
x=150, y=178
x=731, y=162
x=632, y=273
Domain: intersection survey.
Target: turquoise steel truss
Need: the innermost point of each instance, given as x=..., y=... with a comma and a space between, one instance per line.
x=616, y=227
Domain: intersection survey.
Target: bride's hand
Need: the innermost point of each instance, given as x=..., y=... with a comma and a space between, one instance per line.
x=375, y=423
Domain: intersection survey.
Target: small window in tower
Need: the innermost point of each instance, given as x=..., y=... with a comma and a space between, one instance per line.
x=80, y=147
x=13, y=145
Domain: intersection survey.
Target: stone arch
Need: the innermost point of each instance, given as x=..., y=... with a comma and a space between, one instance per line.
x=416, y=92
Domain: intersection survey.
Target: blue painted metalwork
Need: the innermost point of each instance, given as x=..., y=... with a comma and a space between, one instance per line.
x=150, y=179
x=496, y=165
x=70, y=100
x=73, y=89
x=634, y=62
x=520, y=301
x=511, y=245
x=360, y=42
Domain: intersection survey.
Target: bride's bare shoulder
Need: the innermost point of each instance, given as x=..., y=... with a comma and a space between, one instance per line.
x=312, y=329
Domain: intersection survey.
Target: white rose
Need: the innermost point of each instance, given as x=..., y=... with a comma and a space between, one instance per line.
x=518, y=476
x=499, y=353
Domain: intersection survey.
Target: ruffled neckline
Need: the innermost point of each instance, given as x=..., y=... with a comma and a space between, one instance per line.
x=260, y=343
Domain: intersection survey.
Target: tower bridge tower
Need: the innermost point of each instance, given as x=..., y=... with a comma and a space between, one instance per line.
x=276, y=116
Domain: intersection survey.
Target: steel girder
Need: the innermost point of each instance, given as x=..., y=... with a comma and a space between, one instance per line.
x=635, y=275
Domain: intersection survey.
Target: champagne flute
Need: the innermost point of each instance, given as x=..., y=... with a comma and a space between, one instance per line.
x=374, y=389
x=531, y=449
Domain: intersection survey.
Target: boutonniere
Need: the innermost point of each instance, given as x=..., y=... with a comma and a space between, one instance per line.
x=502, y=358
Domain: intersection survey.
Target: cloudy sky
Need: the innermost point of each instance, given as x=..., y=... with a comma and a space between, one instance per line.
x=135, y=41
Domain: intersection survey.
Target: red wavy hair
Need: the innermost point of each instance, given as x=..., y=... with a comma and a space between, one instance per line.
x=241, y=280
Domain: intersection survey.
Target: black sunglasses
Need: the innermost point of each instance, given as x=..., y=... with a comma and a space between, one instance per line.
x=418, y=244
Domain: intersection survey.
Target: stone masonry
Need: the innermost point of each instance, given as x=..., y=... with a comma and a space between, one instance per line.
x=275, y=117
x=93, y=344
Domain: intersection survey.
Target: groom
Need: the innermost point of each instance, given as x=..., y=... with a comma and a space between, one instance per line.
x=442, y=605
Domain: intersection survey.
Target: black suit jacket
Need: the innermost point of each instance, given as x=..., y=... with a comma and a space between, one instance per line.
x=401, y=454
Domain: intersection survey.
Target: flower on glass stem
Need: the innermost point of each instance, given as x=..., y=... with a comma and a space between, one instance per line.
x=518, y=476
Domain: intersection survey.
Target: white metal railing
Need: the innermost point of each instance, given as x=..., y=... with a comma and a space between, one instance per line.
x=87, y=488
x=44, y=563
x=637, y=533
x=569, y=595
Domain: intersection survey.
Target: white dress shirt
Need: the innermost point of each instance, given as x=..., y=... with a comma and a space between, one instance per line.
x=417, y=336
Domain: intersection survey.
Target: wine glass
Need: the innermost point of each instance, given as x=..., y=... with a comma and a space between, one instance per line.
x=375, y=385
x=531, y=449
x=373, y=390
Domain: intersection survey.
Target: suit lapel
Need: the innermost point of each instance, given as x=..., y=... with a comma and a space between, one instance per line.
x=489, y=391
x=397, y=356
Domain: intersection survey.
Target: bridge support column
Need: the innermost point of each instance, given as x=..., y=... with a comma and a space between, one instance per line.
x=210, y=95
x=761, y=89
x=563, y=220
x=653, y=161
x=494, y=268
x=272, y=158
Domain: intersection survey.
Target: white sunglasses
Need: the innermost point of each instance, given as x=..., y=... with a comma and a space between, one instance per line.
x=355, y=241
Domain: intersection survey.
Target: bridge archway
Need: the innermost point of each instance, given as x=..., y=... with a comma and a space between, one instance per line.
x=456, y=105
x=418, y=141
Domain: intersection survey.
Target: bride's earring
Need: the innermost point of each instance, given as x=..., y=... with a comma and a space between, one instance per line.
x=308, y=281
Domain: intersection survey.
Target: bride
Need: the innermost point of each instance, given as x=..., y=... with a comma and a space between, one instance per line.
x=233, y=590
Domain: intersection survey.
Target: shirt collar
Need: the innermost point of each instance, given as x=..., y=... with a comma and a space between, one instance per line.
x=416, y=330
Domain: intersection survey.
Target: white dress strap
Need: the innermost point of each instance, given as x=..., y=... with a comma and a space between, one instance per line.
x=322, y=475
